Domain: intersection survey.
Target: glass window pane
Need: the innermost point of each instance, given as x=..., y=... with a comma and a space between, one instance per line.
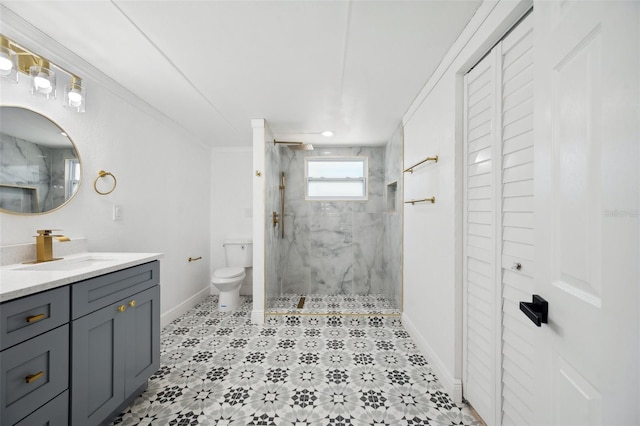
x=335, y=189
x=335, y=169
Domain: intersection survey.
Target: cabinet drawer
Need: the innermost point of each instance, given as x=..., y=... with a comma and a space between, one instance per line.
x=24, y=318
x=32, y=373
x=53, y=413
x=96, y=293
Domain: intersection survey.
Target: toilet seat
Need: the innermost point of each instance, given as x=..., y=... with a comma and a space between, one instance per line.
x=228, y=276
x=228, y=272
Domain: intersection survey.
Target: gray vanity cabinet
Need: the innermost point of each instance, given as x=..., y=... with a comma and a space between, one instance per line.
x=115, y=335
x=34, y=359
x=142, y=340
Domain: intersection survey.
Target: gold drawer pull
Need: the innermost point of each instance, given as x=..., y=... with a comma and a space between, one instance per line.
x=36, y=318
x=132, y=303
x=122, y=308
x=33, y=377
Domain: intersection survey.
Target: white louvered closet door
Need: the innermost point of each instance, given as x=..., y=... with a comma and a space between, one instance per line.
x=479, y=362
x=517, y=224
x=498, y=230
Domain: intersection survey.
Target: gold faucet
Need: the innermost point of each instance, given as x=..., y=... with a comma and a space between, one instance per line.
x=44, y=245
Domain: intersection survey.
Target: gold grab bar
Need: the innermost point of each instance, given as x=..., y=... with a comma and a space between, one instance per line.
x=193, y=259
x=432, y=200
x=410, y=169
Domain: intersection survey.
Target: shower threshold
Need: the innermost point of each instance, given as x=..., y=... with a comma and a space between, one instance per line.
x=332, y=304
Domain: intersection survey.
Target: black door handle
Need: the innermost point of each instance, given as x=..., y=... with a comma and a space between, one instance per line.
x=537, y=310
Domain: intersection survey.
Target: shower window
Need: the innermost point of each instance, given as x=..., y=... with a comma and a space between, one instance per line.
x=71, y=176
x=343, y=178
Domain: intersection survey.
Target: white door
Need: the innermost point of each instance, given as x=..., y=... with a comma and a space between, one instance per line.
x=517, y=264
x=586, y=189
x=480, y=327
x=498, y=229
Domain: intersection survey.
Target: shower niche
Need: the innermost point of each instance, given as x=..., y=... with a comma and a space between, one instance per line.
x=392, y=197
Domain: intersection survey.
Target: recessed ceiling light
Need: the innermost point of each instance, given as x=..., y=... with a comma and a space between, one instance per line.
x=327, y=133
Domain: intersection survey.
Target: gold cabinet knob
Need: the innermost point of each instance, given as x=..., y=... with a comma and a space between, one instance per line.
x=132, y=303
x=122, y=308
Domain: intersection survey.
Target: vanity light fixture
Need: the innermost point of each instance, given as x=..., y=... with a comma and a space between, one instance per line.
x=14, y=58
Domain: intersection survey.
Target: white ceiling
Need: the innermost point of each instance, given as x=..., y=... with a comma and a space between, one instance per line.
x=353, y=67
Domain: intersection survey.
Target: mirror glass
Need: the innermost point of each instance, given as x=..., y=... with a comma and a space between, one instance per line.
x=39, y=164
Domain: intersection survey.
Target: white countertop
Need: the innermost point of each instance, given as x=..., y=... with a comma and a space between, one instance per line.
x=20, y=280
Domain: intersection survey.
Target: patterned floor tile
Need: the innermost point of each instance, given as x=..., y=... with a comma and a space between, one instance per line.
x=334, y=303
x=218, y=369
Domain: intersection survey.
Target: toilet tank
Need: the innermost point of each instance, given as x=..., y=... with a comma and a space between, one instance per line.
x=239, y=252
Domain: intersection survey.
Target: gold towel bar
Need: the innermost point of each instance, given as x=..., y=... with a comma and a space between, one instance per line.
x=410, y=169
x=193, y=259
x=424, y=200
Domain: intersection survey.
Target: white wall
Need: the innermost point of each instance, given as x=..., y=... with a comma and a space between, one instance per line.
x=433, y=241
x=261, y=134
x=163, y=181
x=231, y=203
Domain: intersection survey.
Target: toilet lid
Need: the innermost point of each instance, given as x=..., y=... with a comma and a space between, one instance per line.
x=228, y=272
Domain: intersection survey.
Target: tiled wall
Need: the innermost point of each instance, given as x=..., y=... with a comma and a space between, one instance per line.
x=392, y=237
x=25, y=163
x=273, y=233
x=332, y=247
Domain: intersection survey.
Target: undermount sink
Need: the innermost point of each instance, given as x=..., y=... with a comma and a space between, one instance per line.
x=67, y=264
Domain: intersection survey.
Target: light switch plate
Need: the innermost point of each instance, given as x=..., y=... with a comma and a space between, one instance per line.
x=117, y=212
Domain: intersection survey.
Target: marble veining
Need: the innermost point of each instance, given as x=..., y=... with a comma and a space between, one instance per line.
x=392, y=238
x=335, y=247
x=24, y=163
x=327, y=248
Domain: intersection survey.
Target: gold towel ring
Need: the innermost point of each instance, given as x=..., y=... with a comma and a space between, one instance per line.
x=102, y=174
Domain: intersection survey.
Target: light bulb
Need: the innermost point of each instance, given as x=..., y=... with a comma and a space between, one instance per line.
x=5, y=65
x=75, y=98
x=42, y=83
x=327, y=133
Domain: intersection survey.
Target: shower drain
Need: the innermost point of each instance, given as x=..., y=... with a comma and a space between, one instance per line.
x=301, y=302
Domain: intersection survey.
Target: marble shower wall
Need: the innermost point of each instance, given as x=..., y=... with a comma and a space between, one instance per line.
x=24, y=163
x=392, y=253
x=332, y=247
x=272, y=236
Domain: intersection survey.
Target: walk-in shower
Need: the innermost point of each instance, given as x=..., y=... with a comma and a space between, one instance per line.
x=333, y=255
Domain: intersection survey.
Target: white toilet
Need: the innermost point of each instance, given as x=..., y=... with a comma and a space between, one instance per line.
x=239, y=255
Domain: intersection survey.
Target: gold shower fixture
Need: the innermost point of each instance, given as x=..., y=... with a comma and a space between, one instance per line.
x=296, y=146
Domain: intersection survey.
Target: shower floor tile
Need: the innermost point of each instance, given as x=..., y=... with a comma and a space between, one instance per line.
x=219, y=369
x=369, y=304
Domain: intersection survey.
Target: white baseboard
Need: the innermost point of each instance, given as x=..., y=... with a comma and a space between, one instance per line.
x=182, y=308
x=450, y=384
x=257, y=317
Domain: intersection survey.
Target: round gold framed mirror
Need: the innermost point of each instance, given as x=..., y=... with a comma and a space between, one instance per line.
x=40, y=167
